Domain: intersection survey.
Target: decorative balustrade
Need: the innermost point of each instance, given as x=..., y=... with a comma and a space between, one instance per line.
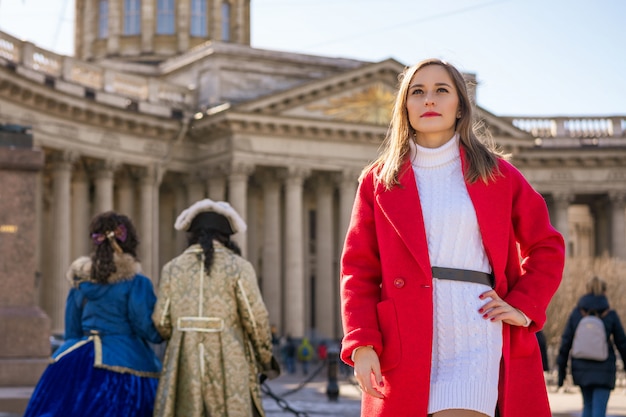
x=572, y=127
x=93, y=77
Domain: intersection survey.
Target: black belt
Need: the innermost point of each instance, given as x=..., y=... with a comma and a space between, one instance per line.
x=463, y=275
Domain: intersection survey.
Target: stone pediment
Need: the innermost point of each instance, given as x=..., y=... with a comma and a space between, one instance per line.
x=363, y=95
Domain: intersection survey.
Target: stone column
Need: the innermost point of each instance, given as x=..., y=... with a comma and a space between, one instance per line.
x=24, y=327
x=148, y=19
x=561, y=221
x=148, y=227
x=183, y=24
x=216, y=182
x=81, y=214
x=103, y=181
x=294, y=253
x=116, y=20
x=237, y=195
x=271, y=259
x=252, y=232
x=55, y=286
x=325, y=280
x=125, y=195
x=348, y=183
x=195, y=188
x=600, y=213
x=618, y=223
x=180, y=204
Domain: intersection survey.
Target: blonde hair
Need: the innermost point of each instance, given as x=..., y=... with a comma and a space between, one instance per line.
x=596, y=286
x=481, y=154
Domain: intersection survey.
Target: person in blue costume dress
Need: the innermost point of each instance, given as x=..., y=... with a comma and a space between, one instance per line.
x=106, y=367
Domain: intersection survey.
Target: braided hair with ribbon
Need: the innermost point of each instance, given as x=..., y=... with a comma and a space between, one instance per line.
x=111, y=233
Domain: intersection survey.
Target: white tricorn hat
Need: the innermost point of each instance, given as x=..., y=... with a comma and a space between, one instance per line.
x=184, y=220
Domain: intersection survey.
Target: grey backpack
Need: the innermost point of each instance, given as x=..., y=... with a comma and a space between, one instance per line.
x=590, y=339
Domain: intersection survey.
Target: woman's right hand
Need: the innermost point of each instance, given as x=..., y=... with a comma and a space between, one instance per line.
x=366, y=363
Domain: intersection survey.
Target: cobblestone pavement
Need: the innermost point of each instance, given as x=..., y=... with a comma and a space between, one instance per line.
x=306, y=396
x=310, y=398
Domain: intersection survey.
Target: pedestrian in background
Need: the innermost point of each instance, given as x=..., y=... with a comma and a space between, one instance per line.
x=210, y=310
x=288, y=353
x=305, y=354
x=596, y=379
x=106, y=367
x=448, y=266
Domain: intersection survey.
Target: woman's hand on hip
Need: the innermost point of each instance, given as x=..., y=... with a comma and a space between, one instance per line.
x=497, y=309
x=366, y=363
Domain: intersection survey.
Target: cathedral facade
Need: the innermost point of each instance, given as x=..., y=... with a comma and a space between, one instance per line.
x=165, y=103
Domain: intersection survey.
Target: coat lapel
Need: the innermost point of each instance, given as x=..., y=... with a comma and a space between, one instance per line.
x=402, y=208
x=493, y=213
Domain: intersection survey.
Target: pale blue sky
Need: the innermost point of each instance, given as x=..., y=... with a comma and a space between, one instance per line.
x=531, y=57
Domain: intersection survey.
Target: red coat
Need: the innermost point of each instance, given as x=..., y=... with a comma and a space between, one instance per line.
x=387, y=298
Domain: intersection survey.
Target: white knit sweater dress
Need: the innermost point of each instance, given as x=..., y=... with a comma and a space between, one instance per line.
x=466, y=348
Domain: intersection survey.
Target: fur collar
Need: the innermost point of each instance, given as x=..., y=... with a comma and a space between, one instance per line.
x=80, y=270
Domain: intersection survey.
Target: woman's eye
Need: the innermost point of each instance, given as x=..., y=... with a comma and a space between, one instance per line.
x=442, y=90
x=417, y=91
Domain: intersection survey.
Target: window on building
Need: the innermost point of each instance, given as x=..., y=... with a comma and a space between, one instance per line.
x=165, y=17
x=198, y=18
x=132, y=17
x=226, y=21
x=103, y=19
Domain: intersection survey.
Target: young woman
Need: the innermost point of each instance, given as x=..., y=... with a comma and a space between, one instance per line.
x=210, y=309
x=448, y=266
x=596, y=379
x=105, y=368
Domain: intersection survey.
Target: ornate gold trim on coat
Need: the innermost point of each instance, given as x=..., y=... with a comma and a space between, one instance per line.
x=200, y=324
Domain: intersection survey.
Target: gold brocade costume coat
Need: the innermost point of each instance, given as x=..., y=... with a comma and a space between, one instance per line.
x=219, y=334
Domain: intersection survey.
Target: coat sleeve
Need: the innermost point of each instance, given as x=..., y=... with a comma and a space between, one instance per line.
x=361, y=275
x=541, y=249
x=73, y=315
x=161, y=316
x=566, y=345
x=253, y=314
x=140, y=307
x=619, y=337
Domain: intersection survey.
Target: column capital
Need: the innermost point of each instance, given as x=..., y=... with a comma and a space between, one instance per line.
x=296, y=175
x=563, y=197
x=617, y=197
x=217, y=170
x=63, y=159
x=240, y=169
x=104, y=168
x=269, y=177
x=347, y=177
x=323, y=180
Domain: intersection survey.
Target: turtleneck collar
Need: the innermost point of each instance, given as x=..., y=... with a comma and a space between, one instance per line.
x=432, y=157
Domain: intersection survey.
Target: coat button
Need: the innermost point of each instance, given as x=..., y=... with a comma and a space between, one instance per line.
x=398, y=282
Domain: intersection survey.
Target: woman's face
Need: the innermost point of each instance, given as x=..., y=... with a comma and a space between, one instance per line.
x=433, y=106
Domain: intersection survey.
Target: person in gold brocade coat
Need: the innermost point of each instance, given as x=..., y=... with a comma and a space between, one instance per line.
x=210, y=309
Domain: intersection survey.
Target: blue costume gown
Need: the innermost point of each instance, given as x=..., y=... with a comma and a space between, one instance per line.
x=106, y=368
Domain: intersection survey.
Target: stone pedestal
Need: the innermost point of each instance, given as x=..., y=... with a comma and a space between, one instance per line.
x=24, y=327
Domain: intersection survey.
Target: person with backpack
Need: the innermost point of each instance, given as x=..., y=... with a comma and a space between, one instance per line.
x=595, y=375
x=305, y=354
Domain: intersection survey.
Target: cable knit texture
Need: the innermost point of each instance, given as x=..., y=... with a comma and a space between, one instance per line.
x=466, y=348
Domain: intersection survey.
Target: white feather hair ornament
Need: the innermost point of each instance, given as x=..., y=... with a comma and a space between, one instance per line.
x=183, y=222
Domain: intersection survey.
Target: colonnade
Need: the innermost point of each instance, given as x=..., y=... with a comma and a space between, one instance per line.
x=296, y=218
